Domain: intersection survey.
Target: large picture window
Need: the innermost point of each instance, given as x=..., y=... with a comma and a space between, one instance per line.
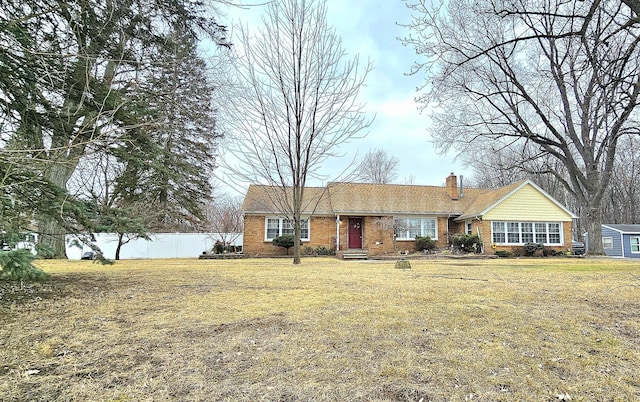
x=526, y=232
x=280, y=226
x=409, y=229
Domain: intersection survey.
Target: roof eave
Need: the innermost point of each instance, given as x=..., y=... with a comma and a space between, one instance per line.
x=621, y=231
x=394, y=213
x=467, y=217
x=279, y=213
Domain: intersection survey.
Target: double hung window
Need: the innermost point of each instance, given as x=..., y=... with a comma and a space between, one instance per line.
x=280, y=226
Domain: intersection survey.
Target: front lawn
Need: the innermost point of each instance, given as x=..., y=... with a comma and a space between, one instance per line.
x=264, y=329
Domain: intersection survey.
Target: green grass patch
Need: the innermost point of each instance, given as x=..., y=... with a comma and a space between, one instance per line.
x=264, y=329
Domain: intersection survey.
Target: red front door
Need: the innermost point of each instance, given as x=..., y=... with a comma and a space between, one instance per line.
x=355, y=232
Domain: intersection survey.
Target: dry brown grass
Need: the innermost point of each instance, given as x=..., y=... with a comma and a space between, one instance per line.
x=264, y=329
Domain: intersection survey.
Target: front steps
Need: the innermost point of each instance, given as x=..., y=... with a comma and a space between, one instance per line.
x=355, y=255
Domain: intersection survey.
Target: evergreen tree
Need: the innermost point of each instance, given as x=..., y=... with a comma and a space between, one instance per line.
x=70, y=74
x=178, y=181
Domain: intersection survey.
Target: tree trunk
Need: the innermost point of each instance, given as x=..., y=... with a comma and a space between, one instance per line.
x=52, y=232
x=593, y=224
x=296, y=240
x=119, y=246
x=597, y=180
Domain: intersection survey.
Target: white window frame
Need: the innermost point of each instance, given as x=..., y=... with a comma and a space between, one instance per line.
x=406, y=234
x=637, y=239
x=282, y=222
x=495, y=230
x=607, y=242
x=511, y=231
x=528, y=233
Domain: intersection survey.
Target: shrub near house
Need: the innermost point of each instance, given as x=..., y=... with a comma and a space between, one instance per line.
x=425, y=244
x=285, y=241
x=347, y=216
x=466, y=243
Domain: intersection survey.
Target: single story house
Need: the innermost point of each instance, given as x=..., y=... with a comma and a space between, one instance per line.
x=621, y=240
x=385, y=218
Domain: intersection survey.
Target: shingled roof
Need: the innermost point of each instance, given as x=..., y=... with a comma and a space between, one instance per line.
x=485, y=200
x=377, y=199
x=624, y=228
x=394, y=199
x=364, y=199
x=261, y=199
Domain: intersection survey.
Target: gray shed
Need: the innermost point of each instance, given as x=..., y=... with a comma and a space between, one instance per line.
x=621, y=240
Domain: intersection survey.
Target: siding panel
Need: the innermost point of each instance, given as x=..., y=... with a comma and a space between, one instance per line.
x=527, y=204
x=627, y=245
x=616, y=236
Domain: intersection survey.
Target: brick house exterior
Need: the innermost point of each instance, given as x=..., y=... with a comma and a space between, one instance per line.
x=386, y=218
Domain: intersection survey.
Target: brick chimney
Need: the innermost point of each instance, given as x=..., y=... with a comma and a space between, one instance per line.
x=452, y=186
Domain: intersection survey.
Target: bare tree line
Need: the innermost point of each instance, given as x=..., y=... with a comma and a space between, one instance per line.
x=621, y=203
x=554, y=85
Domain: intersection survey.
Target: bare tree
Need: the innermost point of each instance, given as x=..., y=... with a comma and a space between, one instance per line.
x=378, y=167
x=112, y=210
x=298, y=104
x=409, y=180
x=557, y=79
x=622, y=201
x=223, y=216
x=496, y=166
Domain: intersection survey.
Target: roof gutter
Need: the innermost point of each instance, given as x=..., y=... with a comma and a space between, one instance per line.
x=398, y=213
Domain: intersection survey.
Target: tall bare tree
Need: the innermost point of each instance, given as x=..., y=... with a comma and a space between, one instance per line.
x=298, y=103
x=378, y=167
x=556, y=78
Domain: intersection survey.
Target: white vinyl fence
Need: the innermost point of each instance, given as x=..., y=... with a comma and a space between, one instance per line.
x=162, y=245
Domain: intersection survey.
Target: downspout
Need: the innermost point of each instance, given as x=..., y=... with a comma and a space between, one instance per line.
x=448, y=234
x=337, y=232
x=479, y=218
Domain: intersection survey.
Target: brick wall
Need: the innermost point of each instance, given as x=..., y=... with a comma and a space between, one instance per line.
x=568, y=235
x=322, y=233
x=446, y=228
x=376, y=238
x=344, y=223
x=253, y=241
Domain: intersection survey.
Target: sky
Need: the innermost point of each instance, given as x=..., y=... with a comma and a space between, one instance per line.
x=369, y=28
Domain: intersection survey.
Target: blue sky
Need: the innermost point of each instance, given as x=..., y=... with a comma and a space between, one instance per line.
x=370, y=29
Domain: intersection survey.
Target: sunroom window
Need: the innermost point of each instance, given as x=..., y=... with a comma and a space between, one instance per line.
x=526, y=232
